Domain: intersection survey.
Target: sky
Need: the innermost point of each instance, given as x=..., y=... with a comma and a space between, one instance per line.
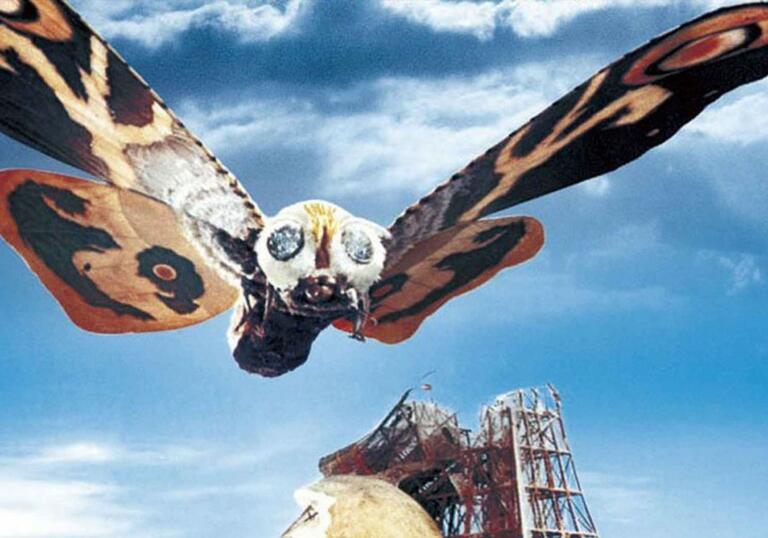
x=647, y=307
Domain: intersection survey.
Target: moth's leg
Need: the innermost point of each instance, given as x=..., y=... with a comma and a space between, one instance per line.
x=238, y=322
x=287, y=302
x=254, y=292
x=242, y=322
x=269, y=302
x=251, y=302
x=362, y=311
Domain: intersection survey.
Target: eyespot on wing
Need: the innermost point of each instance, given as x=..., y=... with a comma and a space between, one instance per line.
x=103, y=251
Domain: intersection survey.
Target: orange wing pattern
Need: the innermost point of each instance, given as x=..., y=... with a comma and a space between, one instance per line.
x=67, y=93
x=116, y=260
x=445, y=266
x=623, y=111
x=438, y=248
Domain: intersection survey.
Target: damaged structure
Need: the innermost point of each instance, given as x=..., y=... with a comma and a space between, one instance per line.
x=514, y=478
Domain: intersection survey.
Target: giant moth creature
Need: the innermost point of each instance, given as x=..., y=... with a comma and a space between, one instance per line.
x=169, y=237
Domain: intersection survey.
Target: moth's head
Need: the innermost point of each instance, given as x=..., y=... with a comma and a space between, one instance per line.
x=316, y=252
x=359, y=506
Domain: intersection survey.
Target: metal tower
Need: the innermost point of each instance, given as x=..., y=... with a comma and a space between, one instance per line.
x=515, y=478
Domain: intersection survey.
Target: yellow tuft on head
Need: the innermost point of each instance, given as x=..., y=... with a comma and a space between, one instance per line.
x=322, y=219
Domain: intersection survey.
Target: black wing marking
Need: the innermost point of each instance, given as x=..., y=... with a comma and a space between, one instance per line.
x=67, y=93
x=623, y=111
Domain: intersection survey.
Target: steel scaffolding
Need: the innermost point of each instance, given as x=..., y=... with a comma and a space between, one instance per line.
x=516, y=478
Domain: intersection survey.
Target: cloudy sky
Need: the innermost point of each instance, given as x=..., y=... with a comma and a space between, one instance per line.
x=647, y=307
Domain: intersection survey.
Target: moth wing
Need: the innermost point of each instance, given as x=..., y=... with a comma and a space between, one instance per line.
x=445, y=266
x=116, y=260
x=65, y=92
x=613, y=118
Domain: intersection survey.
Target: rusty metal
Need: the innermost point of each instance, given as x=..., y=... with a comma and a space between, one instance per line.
x=515, y=478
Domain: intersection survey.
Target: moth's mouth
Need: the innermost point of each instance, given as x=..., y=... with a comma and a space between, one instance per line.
x=322, y=295
x=325, y=297
x=320, y=290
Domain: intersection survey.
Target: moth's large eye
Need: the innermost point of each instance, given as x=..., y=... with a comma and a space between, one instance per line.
x=285, y=242
x=358, y=245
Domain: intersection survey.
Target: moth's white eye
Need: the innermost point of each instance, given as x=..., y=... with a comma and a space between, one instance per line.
x=285, y=242
x=358, y=245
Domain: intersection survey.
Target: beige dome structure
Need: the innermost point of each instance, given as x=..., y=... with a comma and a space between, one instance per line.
x=358, y=507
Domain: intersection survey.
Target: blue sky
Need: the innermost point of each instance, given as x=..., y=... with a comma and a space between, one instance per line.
x=646, y=308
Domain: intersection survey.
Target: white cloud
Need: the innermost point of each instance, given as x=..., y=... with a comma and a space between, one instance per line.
x=618, y=498
x=743, y=271
x=539, y=294
x=32, y=507
x=738, y=122
x=598, y=187
x=476, y=18
x=158, y=23
x=527, y=18
x=86, y=453
x=627, y=241
x=251, y=489
x=547, y=294
x=535, y=18
x=732, y=131
x=87, y=489
x=413, y=135
x=40, y=498
x=76, y=453
x=153, y=24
